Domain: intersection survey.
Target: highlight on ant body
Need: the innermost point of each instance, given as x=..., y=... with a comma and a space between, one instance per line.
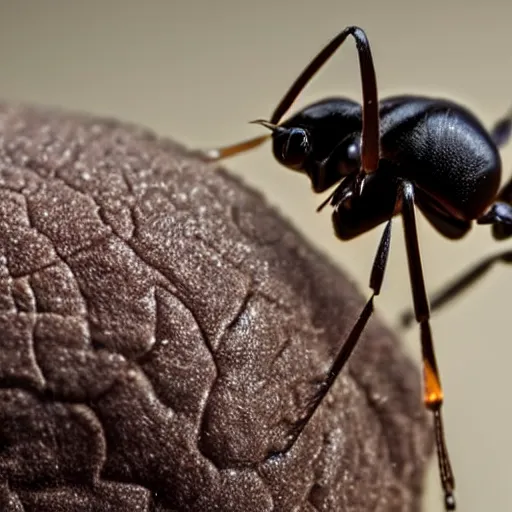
x=387, y=158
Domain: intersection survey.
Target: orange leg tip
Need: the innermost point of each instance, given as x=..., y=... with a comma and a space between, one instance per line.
x=433, y=398
x=433, y=392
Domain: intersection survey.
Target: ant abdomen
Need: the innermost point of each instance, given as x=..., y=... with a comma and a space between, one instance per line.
x=444, y=150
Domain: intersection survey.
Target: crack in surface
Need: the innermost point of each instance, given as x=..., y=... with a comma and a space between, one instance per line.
x=33, y=354
x=159, y=281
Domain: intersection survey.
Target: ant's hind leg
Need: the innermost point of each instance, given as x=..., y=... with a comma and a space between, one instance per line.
x=500, y=132
x=499, y=214
x=459, y=285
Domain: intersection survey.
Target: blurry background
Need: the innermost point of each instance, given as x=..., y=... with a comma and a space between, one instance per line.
x=199, y=70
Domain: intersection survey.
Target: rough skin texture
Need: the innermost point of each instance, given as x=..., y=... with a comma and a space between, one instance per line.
x=161, y=332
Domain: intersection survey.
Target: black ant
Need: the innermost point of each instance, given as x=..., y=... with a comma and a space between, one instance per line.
x=390, y=156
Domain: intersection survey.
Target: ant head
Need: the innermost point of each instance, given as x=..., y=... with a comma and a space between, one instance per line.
x=322, y=140
x=292, y=144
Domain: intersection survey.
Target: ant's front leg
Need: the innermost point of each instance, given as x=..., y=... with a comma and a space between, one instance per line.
x=376, y=279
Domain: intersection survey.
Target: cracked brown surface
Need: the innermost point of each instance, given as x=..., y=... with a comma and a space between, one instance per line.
x=161, y=332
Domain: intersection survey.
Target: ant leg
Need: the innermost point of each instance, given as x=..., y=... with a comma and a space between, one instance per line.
x=460, y=284
x=376, y=278
x=370, y=143
x=500, y=216
x=500, y=132
x=433, y=392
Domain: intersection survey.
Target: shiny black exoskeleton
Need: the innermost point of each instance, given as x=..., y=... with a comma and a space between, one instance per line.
x=437, y=145
x=385, y=158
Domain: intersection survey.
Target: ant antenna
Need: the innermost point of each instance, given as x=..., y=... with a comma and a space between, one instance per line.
x=370, y=139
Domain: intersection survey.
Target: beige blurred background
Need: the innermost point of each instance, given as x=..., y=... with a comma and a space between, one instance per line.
x=199, y=70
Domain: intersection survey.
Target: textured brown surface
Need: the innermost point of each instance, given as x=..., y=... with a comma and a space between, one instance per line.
x=161, y=330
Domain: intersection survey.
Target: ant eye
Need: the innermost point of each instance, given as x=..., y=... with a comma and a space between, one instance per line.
x=296, y=147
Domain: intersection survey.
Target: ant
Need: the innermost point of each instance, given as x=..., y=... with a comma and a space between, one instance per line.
x=385, y=158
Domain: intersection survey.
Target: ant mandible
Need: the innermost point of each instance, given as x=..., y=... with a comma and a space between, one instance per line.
x=386, y=157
